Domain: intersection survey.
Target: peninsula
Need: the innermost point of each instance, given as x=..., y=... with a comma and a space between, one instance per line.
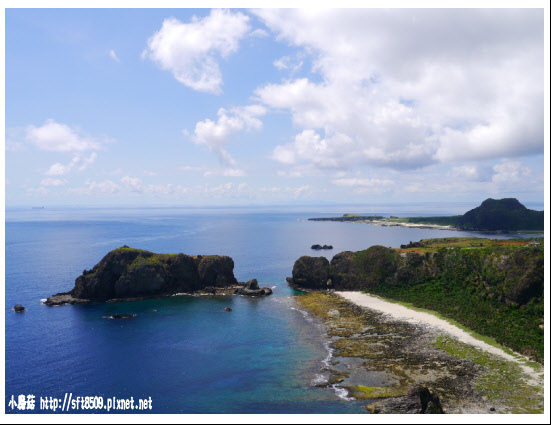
x=130, y=274
x=501, y=215
x=382, y=350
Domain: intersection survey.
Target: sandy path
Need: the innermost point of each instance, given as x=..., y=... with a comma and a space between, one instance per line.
x=399, y=312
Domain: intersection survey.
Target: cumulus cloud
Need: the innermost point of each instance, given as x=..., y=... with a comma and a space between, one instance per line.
x=407, y=88
x=509, y=172
x=79, y=162
x=134, y=184
x=53, y=182
x=57, y=137
x=216, y=134
x=190, y=51
x=106, y=186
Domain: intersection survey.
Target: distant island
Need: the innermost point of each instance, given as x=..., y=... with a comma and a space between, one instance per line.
x=131, y=274
x=493, y=215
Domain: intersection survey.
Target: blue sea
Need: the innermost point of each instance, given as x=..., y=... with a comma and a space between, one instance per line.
x=185, y=354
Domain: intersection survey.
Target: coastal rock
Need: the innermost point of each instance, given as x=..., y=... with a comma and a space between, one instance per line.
x=519, y=272
x=122, y=316
x=316, y=246
x=251, y=288
x=216, y=271
x=417, y=400
x=311, y=272
x=228, y=309
x=18, y=308
x=126, y=273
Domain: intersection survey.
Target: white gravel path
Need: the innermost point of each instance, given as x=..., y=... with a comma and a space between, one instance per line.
x=399, y=312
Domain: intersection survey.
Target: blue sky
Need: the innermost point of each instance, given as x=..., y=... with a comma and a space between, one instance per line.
x=283, y=106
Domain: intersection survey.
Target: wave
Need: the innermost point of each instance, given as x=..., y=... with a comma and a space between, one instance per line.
x=342, y=393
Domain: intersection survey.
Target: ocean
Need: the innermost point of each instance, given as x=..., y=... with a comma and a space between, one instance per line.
x=183, y=354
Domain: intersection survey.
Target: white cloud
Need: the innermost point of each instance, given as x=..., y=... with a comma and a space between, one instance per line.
x=106, y=186
x=216, y=134
x=53, y=182
x=113, y=56
x=471, y=173
x=191, y=50
x=509, y=172
x=371, y=185
x=215, y=172
x=260, y=33
x=225, y=172
x=134, y=184
x=293, y=64
x=79, y=162
x=56, y=137
x=41, y=191
x=406, y=88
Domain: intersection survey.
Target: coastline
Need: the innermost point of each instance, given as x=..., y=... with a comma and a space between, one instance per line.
x=384, y=223
x=382, y=350
x=424, y=319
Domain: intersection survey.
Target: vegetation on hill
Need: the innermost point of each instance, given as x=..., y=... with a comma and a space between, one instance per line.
x=492, y=215
x=492, y=287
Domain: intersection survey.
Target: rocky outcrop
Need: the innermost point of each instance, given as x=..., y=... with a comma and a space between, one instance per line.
x=513, y=277
x=251, y=288
x=18, y=308
x=495, y=290
x=310, y=273
x=127, y=273
x=316, y=246
x=122, y=316
x=417, y=400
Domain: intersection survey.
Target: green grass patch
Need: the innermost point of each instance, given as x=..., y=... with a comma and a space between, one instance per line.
x=503, y=384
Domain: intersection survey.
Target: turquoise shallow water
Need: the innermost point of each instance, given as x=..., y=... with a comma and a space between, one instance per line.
x=186, y=353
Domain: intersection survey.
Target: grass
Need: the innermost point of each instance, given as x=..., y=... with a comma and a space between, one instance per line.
x=487, y=339
x=503, y=384
x=370, y=393
x=362, y=335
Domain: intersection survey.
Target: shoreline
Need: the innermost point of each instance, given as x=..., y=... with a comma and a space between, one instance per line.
x=377, y=357
x=384, y=223
x=400, y=312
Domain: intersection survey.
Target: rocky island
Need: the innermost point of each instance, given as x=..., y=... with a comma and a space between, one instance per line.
x=493, y=215
x=130, y=274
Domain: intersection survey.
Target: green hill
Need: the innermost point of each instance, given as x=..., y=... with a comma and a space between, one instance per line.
x=493, y=215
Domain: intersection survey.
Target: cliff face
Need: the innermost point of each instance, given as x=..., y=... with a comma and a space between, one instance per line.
x=511, y=276
x=496, y=291
x=133, y=273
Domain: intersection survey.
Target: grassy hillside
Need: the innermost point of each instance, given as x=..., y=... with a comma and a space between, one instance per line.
x=495, y=288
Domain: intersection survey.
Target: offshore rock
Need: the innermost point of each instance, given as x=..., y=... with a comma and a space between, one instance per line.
x=417, y=400
x=122, y=316
x=251, y=288
x=127, y=274
x=316, y=246
x=18, y=308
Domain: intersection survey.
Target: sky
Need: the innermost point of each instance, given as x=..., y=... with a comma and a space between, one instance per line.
x=222, y=107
